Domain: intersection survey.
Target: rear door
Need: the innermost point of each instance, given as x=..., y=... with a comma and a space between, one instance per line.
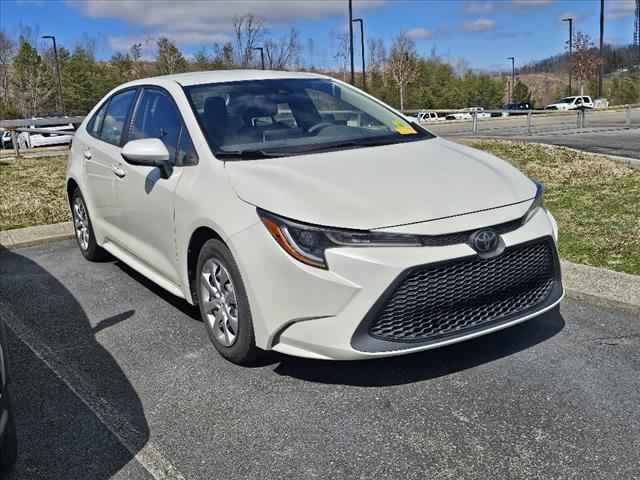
x=147, y=199
x=101, y=154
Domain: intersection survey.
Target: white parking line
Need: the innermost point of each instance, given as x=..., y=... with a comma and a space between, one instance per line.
x=149, y=456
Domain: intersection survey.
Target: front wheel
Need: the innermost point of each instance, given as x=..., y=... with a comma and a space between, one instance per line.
x=224, y=305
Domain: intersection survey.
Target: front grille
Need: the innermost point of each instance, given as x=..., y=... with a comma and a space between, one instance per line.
x=450, y=298
x=462, y=237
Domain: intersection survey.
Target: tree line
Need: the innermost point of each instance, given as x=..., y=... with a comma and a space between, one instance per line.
x=396, y=73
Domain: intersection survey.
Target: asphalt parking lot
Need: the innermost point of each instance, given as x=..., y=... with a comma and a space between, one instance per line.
x=114, y=379
x=605, y=132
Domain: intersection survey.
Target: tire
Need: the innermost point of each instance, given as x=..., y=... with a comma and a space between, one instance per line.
x=83, y=229
x=224, y=306
x=9, y=448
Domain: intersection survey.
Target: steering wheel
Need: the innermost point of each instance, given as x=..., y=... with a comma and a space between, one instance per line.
x=319, y=126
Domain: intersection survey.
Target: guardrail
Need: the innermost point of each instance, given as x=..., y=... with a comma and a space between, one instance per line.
x=31, y=125
x=581, y=115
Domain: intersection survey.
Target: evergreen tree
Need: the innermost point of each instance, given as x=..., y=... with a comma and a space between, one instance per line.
x=169, y=59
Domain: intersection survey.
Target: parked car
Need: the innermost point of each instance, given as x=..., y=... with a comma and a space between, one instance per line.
x=63, y=136
x=8, y=439
x=571, y=103
x=428, y=117
x=459, y=116
x=526, y=106
x=5, y=140
x=312, y=238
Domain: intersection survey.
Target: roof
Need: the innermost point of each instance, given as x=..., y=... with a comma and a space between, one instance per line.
x=219, y=76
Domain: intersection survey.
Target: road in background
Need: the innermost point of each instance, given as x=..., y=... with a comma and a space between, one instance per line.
x=607, y=132
x=555, y=397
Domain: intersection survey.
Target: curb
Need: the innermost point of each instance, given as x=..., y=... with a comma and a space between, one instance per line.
x=593, y=285
x=600, y=286
x=24, y=237
x=627, y=161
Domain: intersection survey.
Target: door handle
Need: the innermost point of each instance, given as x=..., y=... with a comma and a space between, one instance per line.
x=118, y=171
x=87, y=154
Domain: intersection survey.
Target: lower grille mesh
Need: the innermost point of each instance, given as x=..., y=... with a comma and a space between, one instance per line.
x=447, y=299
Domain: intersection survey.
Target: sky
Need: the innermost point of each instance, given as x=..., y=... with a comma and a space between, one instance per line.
x=482, y=34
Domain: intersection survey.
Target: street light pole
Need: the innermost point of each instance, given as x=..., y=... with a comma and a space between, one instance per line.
x=261, y=55
x=513, y=77
x=601, y=73
x=351, y=41
x=364, y=73
x=55, y=54
x=570, y=20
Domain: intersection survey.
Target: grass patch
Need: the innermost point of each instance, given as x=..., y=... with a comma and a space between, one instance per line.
x=596, y=201
x=32, y=192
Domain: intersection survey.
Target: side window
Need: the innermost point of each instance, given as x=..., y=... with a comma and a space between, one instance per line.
x=578, y=101
x=116, y=116
x=96, y=122
x=186, y=154
x=585, y=99
x=156, y=116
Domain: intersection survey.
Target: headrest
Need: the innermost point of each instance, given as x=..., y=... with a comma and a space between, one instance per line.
x=215, y=109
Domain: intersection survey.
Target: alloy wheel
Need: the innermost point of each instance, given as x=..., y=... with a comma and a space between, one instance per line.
x=81, y=223
x=219, y=302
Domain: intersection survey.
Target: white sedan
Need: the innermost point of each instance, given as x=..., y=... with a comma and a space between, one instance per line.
x=293, y=230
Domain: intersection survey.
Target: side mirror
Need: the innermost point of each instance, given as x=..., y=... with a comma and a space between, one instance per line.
x=148, y=152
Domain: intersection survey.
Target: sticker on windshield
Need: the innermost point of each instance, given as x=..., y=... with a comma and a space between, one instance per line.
x=403, y=128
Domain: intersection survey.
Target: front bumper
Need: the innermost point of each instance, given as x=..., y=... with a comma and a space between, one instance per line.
x=324, y=314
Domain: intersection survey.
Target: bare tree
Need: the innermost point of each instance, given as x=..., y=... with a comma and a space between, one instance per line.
x=282, y=53
x=248, y=31
x=403, y=65
x=7, y=51
x=341, y=45
x=585, y=59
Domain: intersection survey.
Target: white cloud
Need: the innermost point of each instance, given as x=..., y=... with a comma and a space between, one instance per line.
x=620, y=9
x=479, y=7
x=214, y=15
x=479, y=25
x=531, y=3
x=123, y=43
x=420, y=33
x=486, y=7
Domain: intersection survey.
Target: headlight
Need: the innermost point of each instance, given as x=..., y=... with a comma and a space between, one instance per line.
x=307, y=243
x=538, y=202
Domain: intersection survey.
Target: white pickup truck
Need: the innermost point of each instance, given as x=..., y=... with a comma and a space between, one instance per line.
x=61, y=135
x=571, y=103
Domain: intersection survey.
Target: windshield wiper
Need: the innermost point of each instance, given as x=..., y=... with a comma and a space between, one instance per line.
x=248, y=154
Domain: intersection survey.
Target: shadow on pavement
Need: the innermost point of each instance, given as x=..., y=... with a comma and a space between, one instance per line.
x=430, y=364
x=59, y=436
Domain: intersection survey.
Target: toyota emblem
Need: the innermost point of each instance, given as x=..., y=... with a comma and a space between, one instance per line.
x=484, y=241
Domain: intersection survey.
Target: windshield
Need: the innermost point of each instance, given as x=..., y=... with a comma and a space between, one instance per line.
x=264, y=118
x=567, y=100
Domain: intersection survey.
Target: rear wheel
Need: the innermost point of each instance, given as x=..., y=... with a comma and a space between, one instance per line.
x=224, y=305
x=9, y=445
x=84, y=230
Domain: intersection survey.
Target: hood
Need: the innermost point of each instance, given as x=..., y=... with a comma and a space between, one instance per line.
x=382, y=186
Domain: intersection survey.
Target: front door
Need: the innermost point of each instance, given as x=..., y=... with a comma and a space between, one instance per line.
x=146, y=199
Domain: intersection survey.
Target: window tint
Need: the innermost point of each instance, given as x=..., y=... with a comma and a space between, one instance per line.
x=156, y=116
x=186, y=152
x=116, y=116
x=96, y=121
x=585, y=99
